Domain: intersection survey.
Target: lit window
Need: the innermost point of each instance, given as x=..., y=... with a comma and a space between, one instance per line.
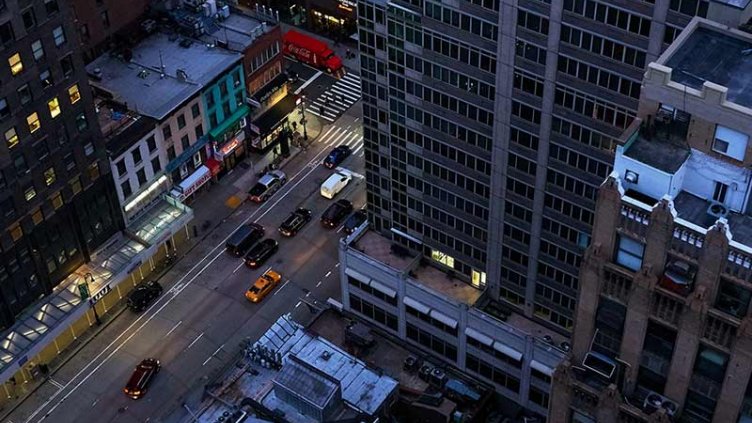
x=30, y=193
x=16, y=66
x=442, y=258
x=33, y=121
x=11, y=137
x=38, y=216
x=57, y=200
x=478, y=279
x=16, y=232
x=49, y=176
x=59, y=35
x=54, y=106
x=74, y=94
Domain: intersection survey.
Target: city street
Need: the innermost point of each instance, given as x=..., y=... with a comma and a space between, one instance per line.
x=200, y=320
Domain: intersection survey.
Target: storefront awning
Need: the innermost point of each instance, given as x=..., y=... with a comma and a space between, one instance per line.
x=270, y=88
x=220, y=130
x=269, y=120
x=214, y=166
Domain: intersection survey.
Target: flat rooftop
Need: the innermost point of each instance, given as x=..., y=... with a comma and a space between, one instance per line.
x=711, y=55
x=239, y=31
x=695, y=209
x=121, y=128
x=661, y=150
x=142, y=86
x=741, y=4
x=374, y=245
x=520, y=322
x=440, y=281
x=287, y=343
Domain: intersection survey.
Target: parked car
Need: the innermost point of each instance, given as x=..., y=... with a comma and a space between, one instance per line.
x=337, y=156
x=141, y=378
x=297, y=219
x=143, y=295
x=261, y=252
x=354, y=221
x=336, y=213
x=243, y=238
x=267, y=185
x=263, y=286
x=335, y=183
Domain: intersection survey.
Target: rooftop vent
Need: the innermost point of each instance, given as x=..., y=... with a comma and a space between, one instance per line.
x=181, y=75
x=143, y=73
x=717, y=209
x=326, y=355
x=96, y=74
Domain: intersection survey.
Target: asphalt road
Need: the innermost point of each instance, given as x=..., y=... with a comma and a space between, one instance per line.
x=200, y=320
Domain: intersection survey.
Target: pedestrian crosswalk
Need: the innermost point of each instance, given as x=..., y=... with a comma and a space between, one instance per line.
x=336, y=136
x=335, y=101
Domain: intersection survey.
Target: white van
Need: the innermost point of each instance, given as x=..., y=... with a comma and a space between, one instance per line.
x=335, y=183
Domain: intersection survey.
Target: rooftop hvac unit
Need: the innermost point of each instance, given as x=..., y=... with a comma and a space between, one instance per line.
x=717, y=209
x=655, y=401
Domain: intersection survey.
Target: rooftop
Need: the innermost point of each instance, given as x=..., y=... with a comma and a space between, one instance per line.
x=140, y=85
x=374, y=245
x=121, y=128
x=711, y=55
x=285, y=348
x=238, y=31
x=448, y=286
x=741, y=4
x=658, y=146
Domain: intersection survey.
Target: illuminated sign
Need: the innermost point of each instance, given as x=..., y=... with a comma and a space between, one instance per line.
x=227, y=148
x=348, y=5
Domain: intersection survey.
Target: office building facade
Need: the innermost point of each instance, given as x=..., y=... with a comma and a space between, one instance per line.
x=665, y=293
x=489, y=125
x=57, y=199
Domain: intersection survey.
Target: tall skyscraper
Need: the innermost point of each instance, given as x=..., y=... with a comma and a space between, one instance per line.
x=489, y=125
x=660, y=326
x=57, y=201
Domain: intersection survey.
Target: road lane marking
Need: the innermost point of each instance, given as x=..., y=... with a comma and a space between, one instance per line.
x=195, y=340
x=213, y=354
x=336, y=264
x=281, y=287
x=307, y=83
x=238, y=268
x=173, y=328
x=143, y=320
x=298, y=304
x=327, y=274
x=56, y=383
x=318, y=284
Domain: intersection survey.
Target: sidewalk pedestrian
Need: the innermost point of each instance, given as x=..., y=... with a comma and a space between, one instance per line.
x=347, y=54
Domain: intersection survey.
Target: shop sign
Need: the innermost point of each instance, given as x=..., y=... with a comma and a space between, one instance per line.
x=99, y=295
x=186, y=188
x=229, y=147
x=347, y=5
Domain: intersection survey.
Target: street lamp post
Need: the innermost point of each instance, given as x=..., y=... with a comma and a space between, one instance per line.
x=93, y=306
x=303, y=121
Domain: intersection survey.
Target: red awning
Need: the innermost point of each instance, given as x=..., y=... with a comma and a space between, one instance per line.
x=214, y=165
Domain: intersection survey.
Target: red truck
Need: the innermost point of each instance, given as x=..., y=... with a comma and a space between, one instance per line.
x=312, y=51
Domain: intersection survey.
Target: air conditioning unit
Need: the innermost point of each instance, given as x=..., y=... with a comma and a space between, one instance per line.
x=655, y=401
x=717, y=209
x=243, y=123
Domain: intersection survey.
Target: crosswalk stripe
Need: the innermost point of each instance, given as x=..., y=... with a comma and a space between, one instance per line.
x=348, y=84
x=326, y=134
x=341, y=108
x=357, y=148
x=337, y=139
x=350, y=141
x=345, y=93
x=351, y=77
x=325, y=117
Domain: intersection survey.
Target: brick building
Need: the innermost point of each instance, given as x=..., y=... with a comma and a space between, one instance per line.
x=97, y=21
x=662, y=319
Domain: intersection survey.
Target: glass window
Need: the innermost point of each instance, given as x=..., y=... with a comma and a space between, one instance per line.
x=81, y=122
x=24, y=94
x=181, y=121
x=733, y=299
x=67, y=64
x=136, y=153
x=151, y=143
x=33, y=121
x=37, y=49
x=185, y=142
x=4, y=109
x=120, y=165
x=57, y=200
x=16, y=65
x=46, y=78
x=195, y=111
x=59, y=35
x=74, y=94
x=6, y=33
x=89, y=149
x=29, y=19
x=54, y=106
x=629, y=253
x=49, y=176
x=51, y=7
x=156, y=165
x=30, y=193
x=166, y=131
x=11, y=137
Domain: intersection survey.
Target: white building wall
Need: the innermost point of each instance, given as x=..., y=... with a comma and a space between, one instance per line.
x=703, y=171
x=176, y=133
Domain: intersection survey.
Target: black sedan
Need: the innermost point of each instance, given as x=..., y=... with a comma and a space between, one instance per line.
x=295, y=222
x=261, y=252
x=337, y=156
x=354, y=221
x=336, y=213
x=143, y=295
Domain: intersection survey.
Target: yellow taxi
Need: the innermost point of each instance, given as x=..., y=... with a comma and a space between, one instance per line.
x=263, y=286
